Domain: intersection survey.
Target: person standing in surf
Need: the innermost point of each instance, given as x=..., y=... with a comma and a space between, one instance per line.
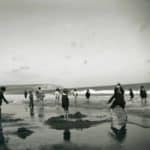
x=31, y=100
x=131, y=94
x=25, y=94
x=75, y=94
x=40, y=95
x=143, y=95
x=118, y=97
x=65, y=103
x=2, y=98
x=57, y=95
x=87, y=94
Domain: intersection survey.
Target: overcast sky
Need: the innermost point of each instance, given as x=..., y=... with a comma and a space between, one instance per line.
x=74, y=42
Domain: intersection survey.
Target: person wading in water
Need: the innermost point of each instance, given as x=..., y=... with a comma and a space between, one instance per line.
x=2, y=98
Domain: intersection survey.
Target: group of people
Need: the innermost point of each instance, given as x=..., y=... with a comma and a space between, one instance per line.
x=143, y=94
x=117, y=99
x=38, y=93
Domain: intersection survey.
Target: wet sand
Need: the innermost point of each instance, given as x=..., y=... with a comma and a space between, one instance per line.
x=99, y=136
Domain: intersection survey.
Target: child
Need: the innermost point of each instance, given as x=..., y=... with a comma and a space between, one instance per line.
x=65, y=103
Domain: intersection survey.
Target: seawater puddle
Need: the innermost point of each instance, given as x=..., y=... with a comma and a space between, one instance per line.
x=97, y=137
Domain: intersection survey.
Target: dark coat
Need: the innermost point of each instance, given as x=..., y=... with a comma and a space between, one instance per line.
x=118, y=99
x=2, y=98
x=65, y=101
x=143, y=93
x=87, y=94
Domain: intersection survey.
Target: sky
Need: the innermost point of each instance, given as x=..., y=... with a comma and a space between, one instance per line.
x=74, y=43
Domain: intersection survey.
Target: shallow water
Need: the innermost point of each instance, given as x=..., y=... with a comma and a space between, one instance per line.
x=136, y=135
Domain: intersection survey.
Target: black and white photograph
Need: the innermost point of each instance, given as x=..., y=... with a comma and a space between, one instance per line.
x=74, y=74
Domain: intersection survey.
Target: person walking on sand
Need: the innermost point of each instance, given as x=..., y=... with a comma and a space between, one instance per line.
x=31, y=99
x=25, y=94
x=65, y=103
x=118, y=97
x=143, y=95
x=87, y=94
x=131, y=94
x=2, y=98
x=57, y=95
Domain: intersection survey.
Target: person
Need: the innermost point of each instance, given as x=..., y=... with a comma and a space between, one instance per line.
x=131, y=94
x=57, y=95
x=2, y=98
x=118, y=97
x=87, y=94
x=40, y=95
x=75, y=94
x=31, y=99
x=25, y=94
x=65, y=103
x=143, y=95
x=119, y=134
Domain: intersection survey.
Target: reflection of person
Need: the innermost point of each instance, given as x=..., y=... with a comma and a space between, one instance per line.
x=3, y=145
x=143, y=95
x=41, y=112
x=118, y=97
x=65, y=103
x=67, y=135
x=32, y=112
x=2, y=98
x=131, y=94
x=119, y=134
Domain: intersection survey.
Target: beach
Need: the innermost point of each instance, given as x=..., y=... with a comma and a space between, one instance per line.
x=41, y=136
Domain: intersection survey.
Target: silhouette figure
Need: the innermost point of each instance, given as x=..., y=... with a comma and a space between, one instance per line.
x=75, y=94
x=65, y=103
x=2, y=98
x=87, y=94
x=118, y=97
x=31, y=99
x=57, y=95
x=25, y=94
x=131, y=94
x=143, y=95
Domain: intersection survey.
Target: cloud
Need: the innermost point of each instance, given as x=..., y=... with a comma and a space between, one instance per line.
x=21, y=68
